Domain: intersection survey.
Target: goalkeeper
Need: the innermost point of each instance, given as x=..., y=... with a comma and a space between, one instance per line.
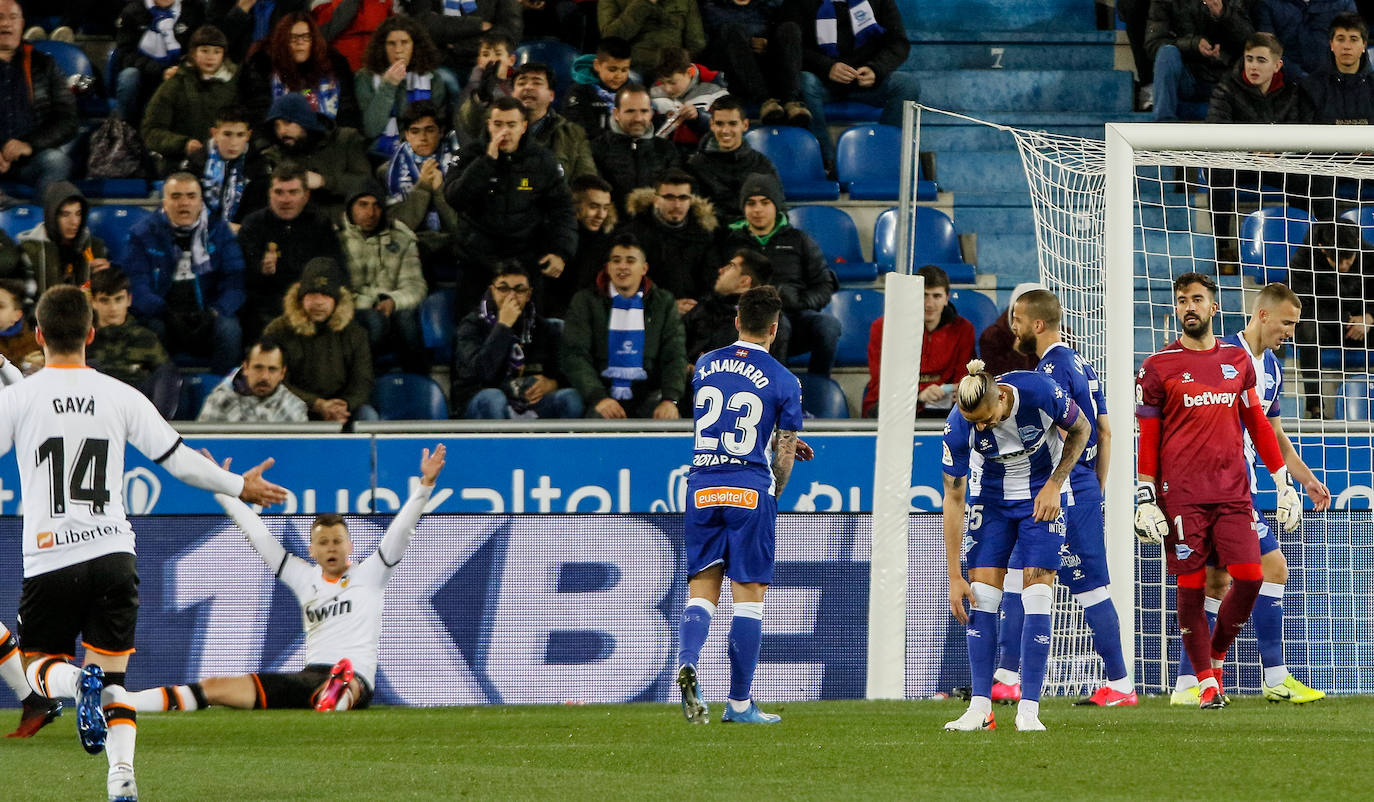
x=1277, y=311
x=1191, y=401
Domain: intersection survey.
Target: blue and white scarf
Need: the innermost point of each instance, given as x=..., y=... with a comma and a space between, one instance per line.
x=861, y=21
x=417, y=88
x=222, y=183
x=625, y=343
x=324, y=98
x=403, y=172
x=459, y=8
x=200, y=242
x=159, y=42
x=523, y=330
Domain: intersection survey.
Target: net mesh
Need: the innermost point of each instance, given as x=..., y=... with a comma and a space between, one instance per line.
x=1255, y=215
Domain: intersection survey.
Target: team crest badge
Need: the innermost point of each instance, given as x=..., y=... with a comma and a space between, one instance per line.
x=1187, y=377
x=1229, y=372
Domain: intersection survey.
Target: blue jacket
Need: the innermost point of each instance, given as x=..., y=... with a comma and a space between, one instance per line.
x=152, y=261
x=1303, y=27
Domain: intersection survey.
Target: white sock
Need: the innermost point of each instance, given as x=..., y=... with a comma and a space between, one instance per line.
x=1006, y=676
x=12, y=666
x=1275, y=676
x=1185, y=681
x=58, y=679
x=981, y=705
x=1123, y=685
x=119, y=743
x=1211, y=605
x=738, y=706
x=1026, y=707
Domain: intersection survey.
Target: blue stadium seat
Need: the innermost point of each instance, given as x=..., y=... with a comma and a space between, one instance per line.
x=73, y=61
x=18, y=219
x=822, y=397
x=856, y=310
x=868, y=160
x=833, y=229
x=438, y=323
x=112, y=223
x=409, y=396
x=977, y=308
x=557, y=54
x=1348, y=359
x=797, y=155
x=195, y=388
x=1267, y=239
x=936, y=243
x=1354, y=396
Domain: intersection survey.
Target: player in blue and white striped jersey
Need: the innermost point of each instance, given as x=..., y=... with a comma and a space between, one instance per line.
x=1035, y=322
x=1003, y=447
x=1277, y=310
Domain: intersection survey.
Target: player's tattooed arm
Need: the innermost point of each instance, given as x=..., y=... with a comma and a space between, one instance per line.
x=784, y=456
x=1075, y=440
x=954, y=517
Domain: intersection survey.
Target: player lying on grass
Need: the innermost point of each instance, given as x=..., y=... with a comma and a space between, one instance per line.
x=1002, y=443
x=1194, y=401
x=1277, y=310
x=341, y=608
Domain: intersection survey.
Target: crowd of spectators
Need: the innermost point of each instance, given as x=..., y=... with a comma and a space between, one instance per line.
x=326, y=167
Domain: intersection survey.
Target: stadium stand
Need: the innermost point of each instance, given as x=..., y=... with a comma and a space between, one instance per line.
x=1268, y=238
x=18, y=219
x=864, y=159
x=975, y=307
x=195, y=388
x=822, y=397
x=936, y=242
x=111, y=223
x=558, y=55
x=1354, y=396
x=438, y=323
x=834, y=231
x=856, y=310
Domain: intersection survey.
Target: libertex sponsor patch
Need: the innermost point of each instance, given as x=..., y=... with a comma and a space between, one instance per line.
x=742, y=497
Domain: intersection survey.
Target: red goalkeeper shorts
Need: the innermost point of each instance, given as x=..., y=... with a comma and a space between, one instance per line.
x=1198, y=531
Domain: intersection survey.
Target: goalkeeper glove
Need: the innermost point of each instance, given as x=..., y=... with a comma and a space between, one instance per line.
x=1289, y=512
x=1150, y=524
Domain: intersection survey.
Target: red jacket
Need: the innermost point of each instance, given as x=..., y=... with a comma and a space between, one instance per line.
x=351, y=41
x=945, y=353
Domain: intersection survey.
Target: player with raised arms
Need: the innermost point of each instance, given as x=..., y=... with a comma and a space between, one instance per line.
x=748, y=412
x=1195, y=399
x=69, y=426
x=1003, y=449
x=341, y=609
x=1276, y=314
x=1035, y=322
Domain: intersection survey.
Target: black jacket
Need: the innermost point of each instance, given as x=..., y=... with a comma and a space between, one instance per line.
x=1236, y=100
x=237, y=24
x=297, y=242
x=481, y=355
x=682, y=260
x=799, y=270
x=52, y=103
x=1184, y=23
x=579, y=273
x=720, y=174
x=1340, y=98
x=516, y=204
x=457, y=36
x=628, y=163
x=711, y=325
x=884, y=55
x=133, y=22
x=1329, y=296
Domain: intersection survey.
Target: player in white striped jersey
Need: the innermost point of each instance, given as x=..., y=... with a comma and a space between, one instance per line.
x=69, y=426
x=341, y=608
x=1277, y=311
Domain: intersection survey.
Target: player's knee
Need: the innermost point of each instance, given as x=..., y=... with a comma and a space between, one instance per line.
x=986, y=598
x=1217, y=583
x=1039, y=576
x=1275, y=567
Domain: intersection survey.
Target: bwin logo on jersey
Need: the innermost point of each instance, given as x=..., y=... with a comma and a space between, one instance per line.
x=1229, y=372
x=330, y=610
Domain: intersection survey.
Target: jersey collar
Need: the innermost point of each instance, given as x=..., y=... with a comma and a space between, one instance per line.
x=747, y=344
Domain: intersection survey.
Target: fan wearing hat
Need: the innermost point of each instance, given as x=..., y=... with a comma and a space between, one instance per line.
x=328, y=362
x=177, y=121
x=334, y=157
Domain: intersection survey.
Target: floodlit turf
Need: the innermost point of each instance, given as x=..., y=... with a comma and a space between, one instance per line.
x=825, y=750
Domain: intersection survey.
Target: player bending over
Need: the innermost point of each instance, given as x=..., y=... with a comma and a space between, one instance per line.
x=69, y=426
x=1002, y=440
x=1276, y=315
x=341, y=608
x=1192, y=399
x=1035, y=321
x=740, y=465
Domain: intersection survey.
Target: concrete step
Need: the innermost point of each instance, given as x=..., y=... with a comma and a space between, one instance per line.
x=981, y=171
x=1010, y=256
x=942, y=132
x=998, y=55
x=998, y=15
x=1005, y=219
x=1026, y=90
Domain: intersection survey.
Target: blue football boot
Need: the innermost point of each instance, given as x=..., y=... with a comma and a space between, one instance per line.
x=751, y=715
x=90, y=715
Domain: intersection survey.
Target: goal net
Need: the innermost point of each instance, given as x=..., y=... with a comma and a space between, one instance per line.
x=1116, y=222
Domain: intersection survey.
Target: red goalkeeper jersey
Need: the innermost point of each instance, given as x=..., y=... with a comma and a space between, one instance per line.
x=1197, y=396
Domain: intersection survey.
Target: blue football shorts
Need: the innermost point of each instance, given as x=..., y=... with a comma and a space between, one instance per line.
x=732, y=525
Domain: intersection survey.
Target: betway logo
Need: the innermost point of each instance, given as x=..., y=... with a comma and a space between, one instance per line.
x=1209, y=398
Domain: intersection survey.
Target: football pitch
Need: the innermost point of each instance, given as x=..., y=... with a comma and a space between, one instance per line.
x=821, y=750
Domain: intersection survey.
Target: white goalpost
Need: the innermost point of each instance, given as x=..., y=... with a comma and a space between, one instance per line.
x=1116, y=219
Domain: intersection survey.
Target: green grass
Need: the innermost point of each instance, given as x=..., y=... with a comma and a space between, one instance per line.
x=823, y=750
